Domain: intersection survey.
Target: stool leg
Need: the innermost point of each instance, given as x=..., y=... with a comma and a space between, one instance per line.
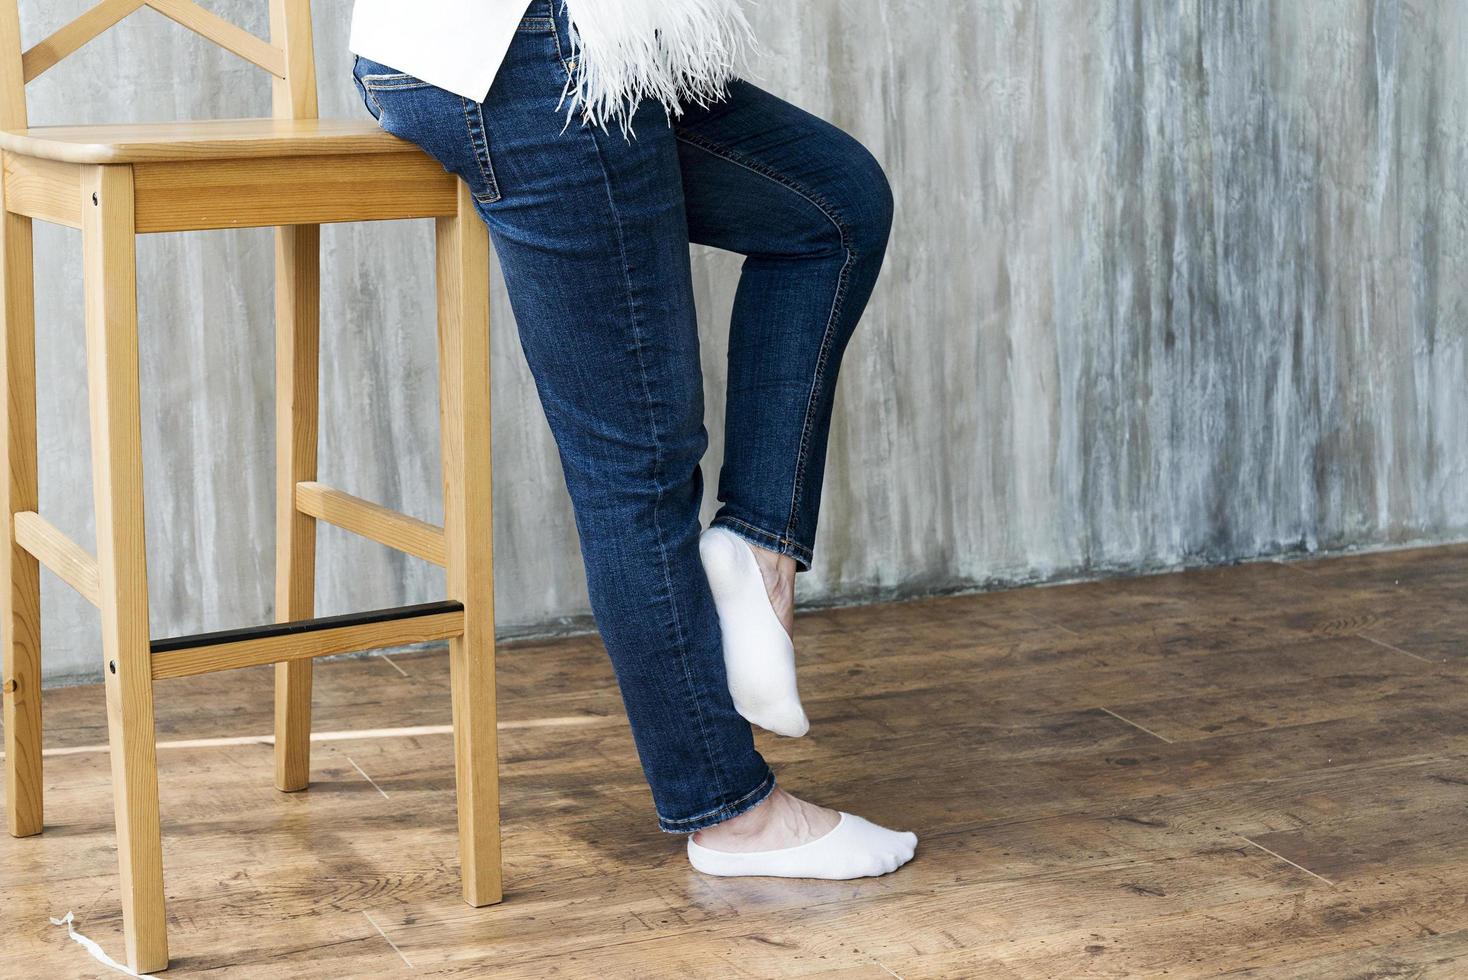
x=463, y=352
x=109, y=253
x=297, y=336
x=21, y=589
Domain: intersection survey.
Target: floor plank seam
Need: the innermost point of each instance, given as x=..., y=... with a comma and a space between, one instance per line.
x=1135, y=725
x=1276, y=854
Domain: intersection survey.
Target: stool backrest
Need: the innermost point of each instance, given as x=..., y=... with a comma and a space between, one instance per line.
x=287, y=56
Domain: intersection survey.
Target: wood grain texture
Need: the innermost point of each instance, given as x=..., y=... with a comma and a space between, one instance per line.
x=43, y=189
x=210, y=25
x=373, y=521
x=108, y=242
x=55, y=48
x=13, y=113
x=1057, y=839
x=297, y=407
x=293, y=95
x=20, y=584
x=209, y=139
x=66, y=41
x=196, y=196
x=462, y=245
x=20, y=587
x=57, y=552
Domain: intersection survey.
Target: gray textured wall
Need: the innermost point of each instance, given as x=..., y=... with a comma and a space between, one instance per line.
x=1172, y=281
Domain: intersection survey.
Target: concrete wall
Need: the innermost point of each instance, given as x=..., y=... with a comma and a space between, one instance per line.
x=1171, y=282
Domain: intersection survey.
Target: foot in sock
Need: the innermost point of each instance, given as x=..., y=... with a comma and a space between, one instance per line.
x=785, y=837
x=759, y=657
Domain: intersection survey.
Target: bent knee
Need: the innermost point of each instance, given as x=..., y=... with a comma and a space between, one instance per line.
x=873, y=224
x=865, y=205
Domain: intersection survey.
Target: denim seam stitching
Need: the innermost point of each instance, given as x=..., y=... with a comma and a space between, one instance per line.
x=480, y=145
x=394, y=81
x=373, y=96
x=769, y=778
x=714, y=765
x=561, y=57
x=842, y=281
x=829, y=211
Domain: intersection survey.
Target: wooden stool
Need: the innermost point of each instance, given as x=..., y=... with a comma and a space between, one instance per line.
x=293, y=172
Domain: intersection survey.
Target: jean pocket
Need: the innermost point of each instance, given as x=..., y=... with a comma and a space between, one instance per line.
x=448, y=127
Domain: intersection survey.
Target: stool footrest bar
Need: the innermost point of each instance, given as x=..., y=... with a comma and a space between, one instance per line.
x=203, y=653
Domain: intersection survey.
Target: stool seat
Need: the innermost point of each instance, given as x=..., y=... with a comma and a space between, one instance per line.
x=228, y=173
x=211, y=139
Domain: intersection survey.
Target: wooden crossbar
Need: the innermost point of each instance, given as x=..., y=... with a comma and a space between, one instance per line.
x=204, y=653
x=373, y=521
x=52, y=548
x=50, y=52
x=228, y=36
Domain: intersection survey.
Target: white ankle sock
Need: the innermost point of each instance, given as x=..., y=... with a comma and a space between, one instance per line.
x=855, y=848
x=758, y=655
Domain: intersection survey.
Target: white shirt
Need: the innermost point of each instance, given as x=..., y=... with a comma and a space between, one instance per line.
x=457, y=45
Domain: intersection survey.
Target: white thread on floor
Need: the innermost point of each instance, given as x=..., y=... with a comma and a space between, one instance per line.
x=887, y=968
x=412, y=731
x=1134, y=724
x=1382, y=643
x=365, y=776
x=394, y=665
x=384, y=936
x=96, y=951
x=1286, y=860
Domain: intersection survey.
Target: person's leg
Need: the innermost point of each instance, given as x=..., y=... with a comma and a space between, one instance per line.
x=592, y=237
x=811, y=210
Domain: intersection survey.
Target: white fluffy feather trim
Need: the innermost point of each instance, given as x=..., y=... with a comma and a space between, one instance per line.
x=671, y=51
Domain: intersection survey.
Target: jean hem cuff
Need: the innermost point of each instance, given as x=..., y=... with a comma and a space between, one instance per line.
x=728, y=811
x=778, y=543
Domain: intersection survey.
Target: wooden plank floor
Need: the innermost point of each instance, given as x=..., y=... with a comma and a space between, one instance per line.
x=1259, y=771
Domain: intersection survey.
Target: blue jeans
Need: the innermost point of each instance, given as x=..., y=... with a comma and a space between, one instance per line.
x=592, y=231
